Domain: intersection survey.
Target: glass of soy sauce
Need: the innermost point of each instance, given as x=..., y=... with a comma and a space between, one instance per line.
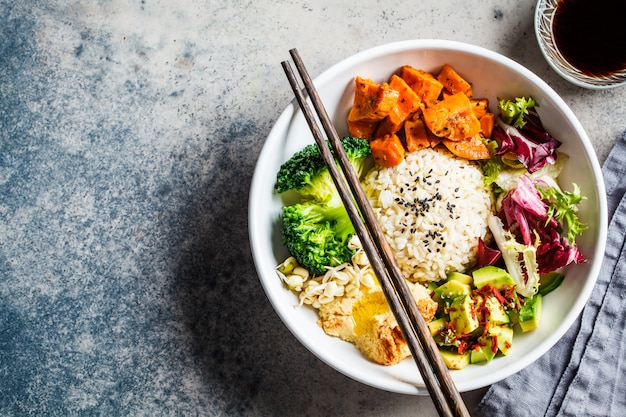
x=584, y=40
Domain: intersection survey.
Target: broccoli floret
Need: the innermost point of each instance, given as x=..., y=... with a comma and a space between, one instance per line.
x=317, y=235
x=306, y=172
x=317, y=230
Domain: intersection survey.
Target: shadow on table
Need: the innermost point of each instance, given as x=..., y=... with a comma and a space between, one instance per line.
x=247, y=360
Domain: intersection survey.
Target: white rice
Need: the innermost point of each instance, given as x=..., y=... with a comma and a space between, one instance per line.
x=432, y=207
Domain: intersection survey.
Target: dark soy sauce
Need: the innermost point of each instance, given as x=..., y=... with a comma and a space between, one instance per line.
x=591, y=35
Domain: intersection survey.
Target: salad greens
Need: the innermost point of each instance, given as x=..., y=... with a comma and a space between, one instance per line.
x=536, y=223
x=534, y=229
x=512, y=113
x=563, y=207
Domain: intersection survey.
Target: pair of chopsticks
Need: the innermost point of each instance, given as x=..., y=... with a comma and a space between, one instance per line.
x=438, y=380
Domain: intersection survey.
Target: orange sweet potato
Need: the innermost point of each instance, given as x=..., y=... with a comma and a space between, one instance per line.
x=423, y=83
x=361, y=128
x=471, y=148
x=480, y=106
x=415, y=133
x=453, y=82
x=408, y=102
x=372, y=101
x=452, y=118
x=486, y=124
x=434, y=140
x=388, y=150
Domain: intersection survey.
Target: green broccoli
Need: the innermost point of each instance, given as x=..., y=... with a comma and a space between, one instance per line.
x=317, y=230
x=306, y=172
x=317, y=235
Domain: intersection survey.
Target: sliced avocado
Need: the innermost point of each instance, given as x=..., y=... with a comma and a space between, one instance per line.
x=484, y=353
x=513, y=317
x=503, y=337
x=530, y=313
x=463, y=316
x=458, y=276
x=492, y=275
x=453, y=289
x=550, y=282
x=478, y=356
x=437, y=325
x=495, y=314
x=432, y=286
x=454, y=360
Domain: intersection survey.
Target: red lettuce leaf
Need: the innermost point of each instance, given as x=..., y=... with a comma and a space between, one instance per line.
x=525, y=214
x=532, y=144
x=486, y=255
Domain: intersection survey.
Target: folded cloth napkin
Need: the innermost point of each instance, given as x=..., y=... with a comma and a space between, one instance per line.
x=584, y=374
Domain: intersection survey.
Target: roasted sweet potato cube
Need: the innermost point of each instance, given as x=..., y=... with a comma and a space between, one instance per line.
x=372, y=101
x=453, y=82
x=434, y=140
x=361, y=128
x=480, y=106
x=388, y=150
x=423, y=83
x=486, y=124
x=452, y=118
x=415, y=133
x=408, y=102
x=387, y=126
x=472, y=148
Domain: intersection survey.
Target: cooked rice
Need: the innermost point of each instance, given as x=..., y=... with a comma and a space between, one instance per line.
x=432, y=207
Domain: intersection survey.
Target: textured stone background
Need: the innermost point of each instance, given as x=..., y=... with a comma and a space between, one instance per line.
x=129, y=131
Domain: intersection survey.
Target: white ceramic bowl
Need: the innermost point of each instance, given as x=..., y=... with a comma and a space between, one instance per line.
x=492, y=76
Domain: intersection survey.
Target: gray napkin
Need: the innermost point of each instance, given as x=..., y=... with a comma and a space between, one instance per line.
x=584, y=374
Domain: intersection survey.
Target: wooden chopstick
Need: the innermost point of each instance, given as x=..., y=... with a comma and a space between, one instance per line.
x=437, y=379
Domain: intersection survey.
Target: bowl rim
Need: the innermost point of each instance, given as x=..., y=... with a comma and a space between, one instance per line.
x=410, y=45
x=543, y=19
